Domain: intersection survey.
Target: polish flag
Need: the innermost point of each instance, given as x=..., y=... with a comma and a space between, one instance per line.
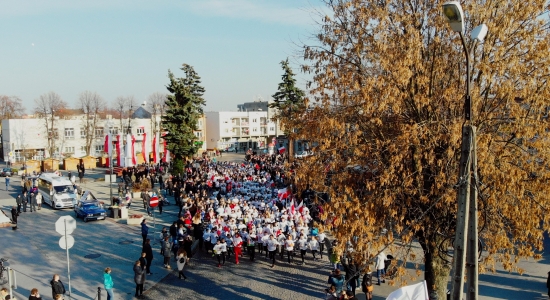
x=282, y=150
x=301, y=207
x=282, y=194
x=292, y=207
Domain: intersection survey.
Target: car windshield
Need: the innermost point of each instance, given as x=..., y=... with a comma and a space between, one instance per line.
x=90, y=206
x=63, y=189
x=6, y=170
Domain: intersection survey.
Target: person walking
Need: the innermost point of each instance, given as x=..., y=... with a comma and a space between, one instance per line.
x=139, y=278
x=313, y=246
x=289, y=247
x=182, y=259
x=35, y=295
x=148, y=255
x=108, y=282
x=144, y=230
x=167, y=251
x=381, y=267
x=57, y=287
x=7, y=183
x=321, y=239
x=303, y=245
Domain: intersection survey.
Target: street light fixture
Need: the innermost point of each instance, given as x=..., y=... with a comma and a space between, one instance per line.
x=466, y=238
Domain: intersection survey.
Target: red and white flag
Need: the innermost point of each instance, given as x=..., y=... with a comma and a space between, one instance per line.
x=282, y=150
x=283, y=193
x=292, y=207
x=301, y=206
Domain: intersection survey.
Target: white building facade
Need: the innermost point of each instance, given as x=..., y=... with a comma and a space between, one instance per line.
x=241, y=129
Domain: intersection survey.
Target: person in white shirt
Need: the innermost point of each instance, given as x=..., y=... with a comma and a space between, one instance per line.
x=289, y=247
x=218, y=251
x=271, y=248
x=321, y=239
x=237, y=243
x=314, y=246
x=381, y=266
x=303, y=245
x=265, y=239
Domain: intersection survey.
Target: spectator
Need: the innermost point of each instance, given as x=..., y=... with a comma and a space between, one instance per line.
x=58, y=289
x=381, y=267
x=35, y=295
x=108, y=282
x=139, y=278
x=148, y=255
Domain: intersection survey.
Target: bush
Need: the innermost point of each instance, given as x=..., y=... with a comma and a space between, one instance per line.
x=14, y=171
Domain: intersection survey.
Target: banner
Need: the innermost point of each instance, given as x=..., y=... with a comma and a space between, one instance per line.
x=143, y=147
x=417, y=291
x=118, y=141
x=106, y=149
x=133, y=150
x=155, y=149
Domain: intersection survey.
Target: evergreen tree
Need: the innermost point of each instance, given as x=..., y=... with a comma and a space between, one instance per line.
x=288, y=100
x=184, y=106
x=288, y=96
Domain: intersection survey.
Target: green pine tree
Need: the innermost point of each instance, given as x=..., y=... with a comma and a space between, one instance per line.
x=184, y=106
x=288, y=96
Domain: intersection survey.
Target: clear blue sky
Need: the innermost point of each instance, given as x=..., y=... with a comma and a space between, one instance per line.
x=121, y=48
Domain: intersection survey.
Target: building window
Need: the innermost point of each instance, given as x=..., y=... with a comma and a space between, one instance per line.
x=199, y=123
x=198, y=134
x=271, y=128
x=54, y=134
x=140, y=131
x=82, y=132
x=99, y=149
x=254, y=129
x=99, y=132
x=113, y=130
x=69, y=150
x=82, y=148
x=69, y=133
x=254, y=120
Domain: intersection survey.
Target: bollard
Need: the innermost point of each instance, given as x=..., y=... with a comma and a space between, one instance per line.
x=98, y=293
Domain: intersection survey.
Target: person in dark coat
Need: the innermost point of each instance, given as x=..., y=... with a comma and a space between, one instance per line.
x=352, y=274
x=148, y=255
x=57, y=286
x=139, y=278
x=14, y=215
x=33, y=202
x=19, y=202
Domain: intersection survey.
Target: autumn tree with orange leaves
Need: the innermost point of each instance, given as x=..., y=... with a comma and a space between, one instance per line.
x=386, y=112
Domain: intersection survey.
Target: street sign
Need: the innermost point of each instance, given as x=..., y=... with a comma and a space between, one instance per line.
x=154, y=202
x=69, y=242
x=60, y=225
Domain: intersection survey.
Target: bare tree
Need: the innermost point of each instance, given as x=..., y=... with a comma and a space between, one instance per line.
x=91, y=104
x=122, y=106
x=157, y=104
x=47, y=105
x=10, y=107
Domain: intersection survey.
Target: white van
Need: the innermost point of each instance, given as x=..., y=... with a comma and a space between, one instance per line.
x=56, y=190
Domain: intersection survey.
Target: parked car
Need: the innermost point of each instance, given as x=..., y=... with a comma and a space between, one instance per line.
x=230, y=149
x=89, y=208
x=302, y=154
x=5, y=172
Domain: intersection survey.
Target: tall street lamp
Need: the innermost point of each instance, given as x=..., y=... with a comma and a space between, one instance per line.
x=466, y=239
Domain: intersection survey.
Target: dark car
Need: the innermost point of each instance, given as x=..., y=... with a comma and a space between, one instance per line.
x=89, y=208
x=5, y=172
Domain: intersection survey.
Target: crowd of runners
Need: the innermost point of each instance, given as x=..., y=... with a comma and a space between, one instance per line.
x=232, y=209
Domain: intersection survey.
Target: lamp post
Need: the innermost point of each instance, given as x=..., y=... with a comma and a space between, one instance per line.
x=466, y=238
x=110, y=145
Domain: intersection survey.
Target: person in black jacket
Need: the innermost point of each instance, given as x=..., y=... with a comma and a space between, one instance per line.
x=14, y=215
x=148, y=255
x=57, y=286
x=351, y=269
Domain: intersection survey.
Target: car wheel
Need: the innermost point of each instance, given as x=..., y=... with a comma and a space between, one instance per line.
x=85, y=220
